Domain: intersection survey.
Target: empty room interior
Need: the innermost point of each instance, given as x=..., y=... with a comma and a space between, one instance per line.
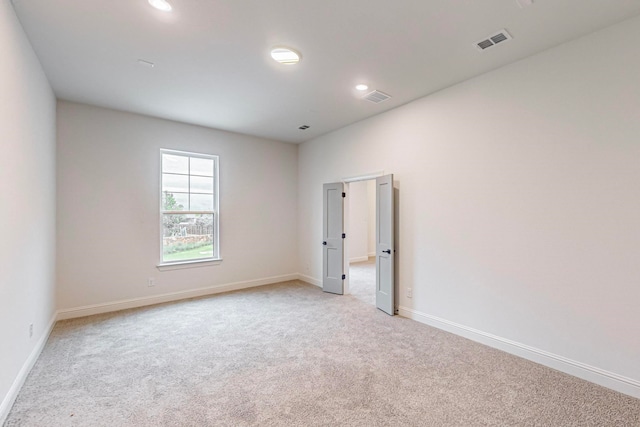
x=357, y=213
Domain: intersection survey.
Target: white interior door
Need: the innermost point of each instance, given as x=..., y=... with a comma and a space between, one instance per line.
x=385, y=252
x=333, y=238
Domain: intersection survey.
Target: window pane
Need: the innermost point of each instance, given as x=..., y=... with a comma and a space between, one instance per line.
x=175, y=183
x=175, y=164
x=187, y=237
x=201, y=202
x=201, y=166
x=175, y=201
x=201, y=185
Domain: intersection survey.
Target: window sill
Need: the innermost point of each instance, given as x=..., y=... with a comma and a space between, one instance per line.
x=188, y=264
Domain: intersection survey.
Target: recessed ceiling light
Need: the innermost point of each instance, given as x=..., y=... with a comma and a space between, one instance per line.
x=362, y=87
x=162, y=5
x=285, y=55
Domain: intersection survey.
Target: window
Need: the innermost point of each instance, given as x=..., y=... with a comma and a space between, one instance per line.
x=189, y=207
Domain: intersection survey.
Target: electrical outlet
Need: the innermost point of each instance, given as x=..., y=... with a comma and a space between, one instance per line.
x=31, y=330
x=409, y=293
x=151, y=282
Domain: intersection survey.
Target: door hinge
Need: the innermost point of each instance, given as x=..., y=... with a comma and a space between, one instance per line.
x=344, y=276
x=344, y=194
x=344, y=236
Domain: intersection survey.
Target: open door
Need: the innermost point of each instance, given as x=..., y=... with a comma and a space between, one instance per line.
x=385, y=252
x=332, y=238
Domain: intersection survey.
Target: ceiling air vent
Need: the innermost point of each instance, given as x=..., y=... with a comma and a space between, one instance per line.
x=499, y=37
x=376, y=96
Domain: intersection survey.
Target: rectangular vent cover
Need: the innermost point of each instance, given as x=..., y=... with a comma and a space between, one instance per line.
x=494, y=39
x=376, y=96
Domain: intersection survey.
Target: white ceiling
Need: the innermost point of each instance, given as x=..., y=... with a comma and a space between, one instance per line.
x=212, y=56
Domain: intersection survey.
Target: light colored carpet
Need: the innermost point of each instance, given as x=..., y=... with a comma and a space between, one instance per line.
x=290, y=355
x=362, y=280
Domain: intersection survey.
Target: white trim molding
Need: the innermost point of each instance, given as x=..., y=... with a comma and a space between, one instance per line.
x=310, y=280
x=593, y=374
x=12, y=394
x=358, y=259
x=188, y=264
x=365, y=177
x=89, y=310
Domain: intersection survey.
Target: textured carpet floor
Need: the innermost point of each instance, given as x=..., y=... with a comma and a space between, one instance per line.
x=290, y=355
x=362, y=280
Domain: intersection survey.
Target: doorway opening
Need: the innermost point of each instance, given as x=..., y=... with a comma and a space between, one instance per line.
x=336, y=244
x=361, y=229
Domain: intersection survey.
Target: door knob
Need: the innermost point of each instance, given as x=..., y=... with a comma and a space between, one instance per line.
x=388, y=251
x=324, y=243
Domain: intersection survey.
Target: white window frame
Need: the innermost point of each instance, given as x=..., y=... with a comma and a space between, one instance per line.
x=216, y=257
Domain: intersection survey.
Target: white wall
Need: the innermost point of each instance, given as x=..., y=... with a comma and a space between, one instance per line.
x=358, y=232
x=27, y=212
x=361, y=236
x=108, y=220
x=371, y=217
x=519, y=199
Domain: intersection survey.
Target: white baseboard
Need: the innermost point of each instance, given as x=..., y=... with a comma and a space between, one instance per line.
x=12, y=394
x=370, y=254
x=593, y=374
x=89, y=310
x=310, y=280
x=358, y=259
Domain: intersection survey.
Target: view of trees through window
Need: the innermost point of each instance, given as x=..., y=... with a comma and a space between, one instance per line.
x=188, y=216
